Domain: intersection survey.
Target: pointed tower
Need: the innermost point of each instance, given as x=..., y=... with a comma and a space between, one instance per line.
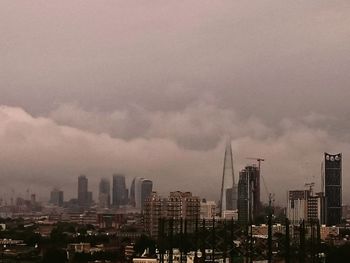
x=228, y=198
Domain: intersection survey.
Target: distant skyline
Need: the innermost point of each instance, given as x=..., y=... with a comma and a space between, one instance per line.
x=153, y=88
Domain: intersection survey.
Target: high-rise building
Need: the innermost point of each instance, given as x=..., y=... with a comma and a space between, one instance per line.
x=303, y=205
x=180, y=207
x=228, y=197
x=333, y=187
x=154, y=209
x=119, y=191
x=243, y=198
x=296, y=206
x=249, y=194
x=56, y=197
x=146, y=190
x=104, y=196
x=141, y=188
x=83, y=195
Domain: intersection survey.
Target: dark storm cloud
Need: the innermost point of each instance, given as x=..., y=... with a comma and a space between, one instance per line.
x=100, y=86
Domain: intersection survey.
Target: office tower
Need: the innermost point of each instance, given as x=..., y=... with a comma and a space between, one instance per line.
x=56, y=197
x=83, y=195
x=119, y=191
x=248, y=194
x=154, y=210
x=185, y=206
x=141, y=188
x=333, y=187
x=228, y=197
x=104, y=197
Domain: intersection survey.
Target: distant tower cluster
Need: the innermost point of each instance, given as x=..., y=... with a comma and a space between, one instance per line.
x=228, y=198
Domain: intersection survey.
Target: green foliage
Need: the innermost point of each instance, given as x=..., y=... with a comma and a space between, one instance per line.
x=145, y=242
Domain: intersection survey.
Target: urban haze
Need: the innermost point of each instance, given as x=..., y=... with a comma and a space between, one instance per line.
x=154, y=89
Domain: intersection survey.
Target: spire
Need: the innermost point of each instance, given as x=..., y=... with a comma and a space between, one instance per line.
x=228, y=198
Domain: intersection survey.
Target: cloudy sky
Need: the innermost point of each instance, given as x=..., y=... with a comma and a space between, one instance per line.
x=152, y=88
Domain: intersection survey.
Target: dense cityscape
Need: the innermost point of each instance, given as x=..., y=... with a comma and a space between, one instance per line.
x=166, y=131
x=137, y=224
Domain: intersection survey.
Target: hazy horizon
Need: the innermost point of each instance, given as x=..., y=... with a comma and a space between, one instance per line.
x=153, y=89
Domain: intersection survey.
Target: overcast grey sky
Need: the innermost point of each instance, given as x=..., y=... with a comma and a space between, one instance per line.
x=152, y=87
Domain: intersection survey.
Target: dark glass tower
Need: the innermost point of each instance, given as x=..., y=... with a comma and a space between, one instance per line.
x=119, y=191
x=83, y=191
x=248, y=194
x=333, y=187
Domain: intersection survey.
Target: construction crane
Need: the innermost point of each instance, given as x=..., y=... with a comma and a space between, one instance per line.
x=270, y=196
x=259, y=160
x=311, y=186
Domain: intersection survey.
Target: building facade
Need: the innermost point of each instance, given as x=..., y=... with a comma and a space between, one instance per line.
x=304, y=205
x=181, y=208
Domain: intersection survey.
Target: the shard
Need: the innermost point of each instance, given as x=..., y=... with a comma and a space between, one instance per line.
x=228, y=198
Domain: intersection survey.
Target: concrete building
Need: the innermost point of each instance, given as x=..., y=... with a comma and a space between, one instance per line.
x=154, y=209
x=303, y=205
x=180, y=207
x=208, y=209
x=104, y=196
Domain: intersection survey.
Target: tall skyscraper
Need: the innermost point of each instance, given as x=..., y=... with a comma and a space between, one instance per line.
x=56, y=197
x=333, y=187
x=146, y=190
x=228, y=198
x=141, y=188
x=243, y=198
x=249, y=194
x=83, y=194
x=104, y=197
x=119, y=191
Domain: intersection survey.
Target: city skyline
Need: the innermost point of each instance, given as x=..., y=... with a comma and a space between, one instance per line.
x=153, y=89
